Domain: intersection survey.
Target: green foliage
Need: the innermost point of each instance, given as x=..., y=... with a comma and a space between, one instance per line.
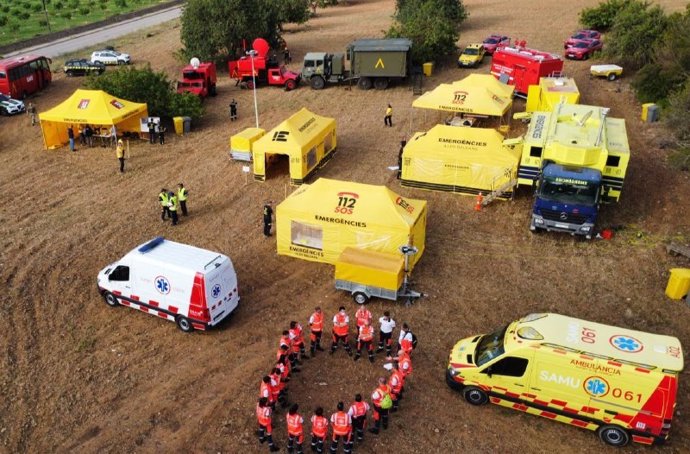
x=325, y=3
x=24, y=15
x=121, y=3
x=295, y=11
x=73, y=4
x=3, y=21
x=36, y=7
x=84, y=10
x=5, y=8
x=43, y=22
x=654, y=82
x=185, y=105
x=66, y=15
x=601, y=17
x=58, y=5
x=677, y=115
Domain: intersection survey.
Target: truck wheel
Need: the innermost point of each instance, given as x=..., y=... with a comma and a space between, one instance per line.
x=381, y=83
x=612, y=76
x=475, y=396
x=110, y=299
x=364, y=83
x=613, y=435
x=249, y=84
x=317, y=83
x=290, y=85
x=184, y=324
x=360, y=298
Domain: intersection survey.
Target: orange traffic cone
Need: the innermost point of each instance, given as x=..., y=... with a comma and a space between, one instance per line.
x=478, y=205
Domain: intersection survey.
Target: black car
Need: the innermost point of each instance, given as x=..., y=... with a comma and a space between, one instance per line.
x=83, y=67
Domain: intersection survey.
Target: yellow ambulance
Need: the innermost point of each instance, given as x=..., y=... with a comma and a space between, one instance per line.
x=619, y=382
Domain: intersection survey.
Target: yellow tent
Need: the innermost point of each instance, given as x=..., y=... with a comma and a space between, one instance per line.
x=552, y=91
x=319, y=220
x=455, y=159
x=93, y=107
x=476, y=94
x=306, y=138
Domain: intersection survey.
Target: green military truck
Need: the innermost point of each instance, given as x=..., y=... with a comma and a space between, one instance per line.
x=373, y=62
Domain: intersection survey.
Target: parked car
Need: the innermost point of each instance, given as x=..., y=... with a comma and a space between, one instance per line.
x=495, y=41
x=83, y=67
x=9, y=106
x=583, y=49
x=472, y=56
x=580, y=35
x=110, y=57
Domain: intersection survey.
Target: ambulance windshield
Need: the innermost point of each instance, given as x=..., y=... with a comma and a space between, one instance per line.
x=579, y=193
x=491, y=346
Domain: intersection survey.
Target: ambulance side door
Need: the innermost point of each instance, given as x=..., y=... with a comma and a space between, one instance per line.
x=120, y=280
x=561, y=386
x=509, y=373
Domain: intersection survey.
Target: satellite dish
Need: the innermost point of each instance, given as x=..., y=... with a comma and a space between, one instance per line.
x=195, y=62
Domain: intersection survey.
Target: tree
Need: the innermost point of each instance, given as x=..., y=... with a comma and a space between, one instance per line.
x=601, y=17
x=295, y=11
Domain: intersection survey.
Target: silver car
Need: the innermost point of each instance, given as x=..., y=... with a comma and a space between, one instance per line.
x=9, y=106
x=110, y=57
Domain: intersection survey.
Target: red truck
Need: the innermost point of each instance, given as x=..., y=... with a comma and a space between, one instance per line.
x=198, y=78
x=267, y=71
x=523, y=67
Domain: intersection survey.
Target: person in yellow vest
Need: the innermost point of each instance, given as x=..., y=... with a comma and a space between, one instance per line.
x=388, y=119
x=120, y=153
x=172, y=207
x=163, y=200
x=182, y=195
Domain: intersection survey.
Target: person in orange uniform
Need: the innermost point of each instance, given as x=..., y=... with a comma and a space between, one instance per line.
x=296, y=336
x=380, y=413
x=365, y=339
x=406, y=340
x=279, y=388
x=362, y=316
x=316, y=326
x=404, y=363
x=397, y=383
x=266, y=390
x=319, y=430
x=358, y=412
x=342, y=430
x=263, y=415
x=295, y=429
x=285, y=340
x=341, y=331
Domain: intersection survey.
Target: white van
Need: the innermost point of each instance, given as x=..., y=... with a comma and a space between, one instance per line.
x=193, y=287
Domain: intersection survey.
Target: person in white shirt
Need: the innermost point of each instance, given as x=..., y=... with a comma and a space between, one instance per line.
x=387, y=325
x=405, y=340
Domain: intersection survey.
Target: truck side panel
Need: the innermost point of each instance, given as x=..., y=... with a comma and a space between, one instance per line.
x=379, y=64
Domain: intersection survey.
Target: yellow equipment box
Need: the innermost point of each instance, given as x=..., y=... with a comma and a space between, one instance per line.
x=370, y=268
x=241, y=143
x=678, y=284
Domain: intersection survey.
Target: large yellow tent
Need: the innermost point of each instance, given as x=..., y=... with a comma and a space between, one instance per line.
x=319, y=220
x=463, y=160
x=92, y=107
x=476, y=94
x=550, y=92
x=306, y=138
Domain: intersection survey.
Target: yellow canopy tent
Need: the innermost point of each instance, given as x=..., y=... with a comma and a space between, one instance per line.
x=93, y=107
x=319, y=220
x=550, y=92
x=306, y=138
x=463, y=160
x=476, y=94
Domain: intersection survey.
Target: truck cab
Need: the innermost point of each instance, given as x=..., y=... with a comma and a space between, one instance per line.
x=199, y=79
x=322, y=67
x=566, y=200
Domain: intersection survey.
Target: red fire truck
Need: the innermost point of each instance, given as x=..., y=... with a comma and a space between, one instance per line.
x=267, y=71
x=24, y=75
x=523, y=67
x=198, y=78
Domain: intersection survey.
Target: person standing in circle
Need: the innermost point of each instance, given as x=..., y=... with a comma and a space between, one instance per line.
x=182, y=195
x=268, y=218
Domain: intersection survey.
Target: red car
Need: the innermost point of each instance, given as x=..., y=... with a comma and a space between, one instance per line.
x=580, y=35
x=583, y=49
x=495, y=41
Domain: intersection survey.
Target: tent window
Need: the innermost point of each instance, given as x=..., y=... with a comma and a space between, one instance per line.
x=328, y=143
x=306, y=235
x=535, y=152
x=311, y=158
x=613, y=161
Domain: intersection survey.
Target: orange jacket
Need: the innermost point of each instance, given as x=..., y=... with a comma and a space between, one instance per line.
x=319, y=426
x=316, y=322
x=341, y=422
x=379, y=393
x=363, y=315
x=396, y=380
x=266, y=390
x=341, y=324
x=405, y=364
x=294, y=424
x=263, y=414
x=358, y=409
x=366, y=333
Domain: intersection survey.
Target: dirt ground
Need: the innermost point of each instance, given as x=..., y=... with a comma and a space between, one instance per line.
x=78, y=376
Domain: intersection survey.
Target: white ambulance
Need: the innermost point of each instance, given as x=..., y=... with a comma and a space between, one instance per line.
x=193, y=287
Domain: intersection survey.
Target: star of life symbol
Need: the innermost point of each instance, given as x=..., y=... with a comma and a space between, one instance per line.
x=626, y=344
x=215, y=291
x=162, y=285
x=596, y=386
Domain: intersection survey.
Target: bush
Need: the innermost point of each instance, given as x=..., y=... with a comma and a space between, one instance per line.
x=84, y=10
x=24, y=15
x=73, y=4
x=677, y=115
x=58, y=5
x=36, y=7
x=601, y=17
x=185, y=105
x=121, y=3
x=5, y=8
x=3, y=21
x=654, y=83
x=66, y=15
x=42, y=23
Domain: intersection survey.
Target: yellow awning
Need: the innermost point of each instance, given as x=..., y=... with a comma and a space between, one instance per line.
x=477, y=94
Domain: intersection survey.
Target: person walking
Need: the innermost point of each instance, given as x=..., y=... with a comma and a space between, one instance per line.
x=365, y=339
x=362, y=316
x=70, y=136
x=164, y=201
x=172, y=207
x=397, y=384
x=161, y=134
x=319, y=430
x=268, y=218
x=233, y=110
x=295, y=428
x=382, y=403
x=388, y=119
x=287, y=57
x=386, y=327
x=358, y=412
x=297, y=338
x=152, y=134
x=120, y=153
x=406, y=340
x=182, y=195
x=316, y=327
x=264, y=417
x=341, y=331
x=31, y=111
x=342, y=430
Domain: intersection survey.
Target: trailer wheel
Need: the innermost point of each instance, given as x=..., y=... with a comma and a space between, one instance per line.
x=475, y=396
x=290, y=85
x=360, y=298
x=381, y=83
x=364, y=83
x=612, y=77
x=249, y=84
x=110, y=299
x=613, y=435
x=184, y=324
x=317, y=82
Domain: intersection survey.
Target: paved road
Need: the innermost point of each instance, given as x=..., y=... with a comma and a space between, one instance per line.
x=102, y=35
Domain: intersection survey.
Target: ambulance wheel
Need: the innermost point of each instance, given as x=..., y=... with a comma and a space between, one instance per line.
x=613, y=435
x=110, y=299
x=184, y=324
x=360, y=298
x=475, y=396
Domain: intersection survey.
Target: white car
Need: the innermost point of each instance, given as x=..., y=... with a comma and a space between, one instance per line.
x=9, y=106
x=110, y=57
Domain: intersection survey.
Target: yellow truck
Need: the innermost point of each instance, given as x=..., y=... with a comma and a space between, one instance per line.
x=618, y=382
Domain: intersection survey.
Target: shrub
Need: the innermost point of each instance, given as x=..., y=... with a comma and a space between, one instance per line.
x=84, y=10
x=654, y=83
x=185, y=105
x=58, y=5
x=24, y=15
x=5, y=8
x=601, y=17
x=42, y=22
x=677, y=115
x=121, y=3
x=3, y=21
x=66, y=15
x=36, y=7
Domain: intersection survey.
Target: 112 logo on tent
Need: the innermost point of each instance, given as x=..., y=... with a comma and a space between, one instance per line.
x=346, y=202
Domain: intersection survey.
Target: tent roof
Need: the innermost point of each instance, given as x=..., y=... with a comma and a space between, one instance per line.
x=295, y=132
x=376, y=205
x=483, y=95
x=481, y=145
x=93, y=107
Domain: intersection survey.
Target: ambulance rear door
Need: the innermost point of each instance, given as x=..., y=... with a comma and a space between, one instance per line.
x=221, y=288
